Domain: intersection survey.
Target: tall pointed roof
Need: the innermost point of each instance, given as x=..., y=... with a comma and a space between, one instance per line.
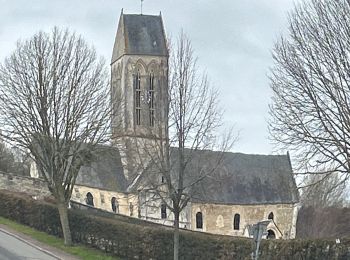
x=139, y=35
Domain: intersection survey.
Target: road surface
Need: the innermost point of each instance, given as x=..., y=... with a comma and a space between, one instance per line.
x=12, y=248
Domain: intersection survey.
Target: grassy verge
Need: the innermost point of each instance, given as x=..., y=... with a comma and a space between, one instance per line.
x=78, y=250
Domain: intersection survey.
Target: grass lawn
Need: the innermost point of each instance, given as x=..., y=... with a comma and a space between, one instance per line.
x=78, y=250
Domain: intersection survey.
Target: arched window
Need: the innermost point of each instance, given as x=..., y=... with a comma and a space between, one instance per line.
x=271, y=234
x=89, y=199
x=270, y=216
x=151, y=99
x=115, y=205
x=163, y=211
x=131, y=208
x=199, y=220
x=137, y=85
x=236, y=220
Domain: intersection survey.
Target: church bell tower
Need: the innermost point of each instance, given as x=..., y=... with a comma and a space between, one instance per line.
x=139, y=89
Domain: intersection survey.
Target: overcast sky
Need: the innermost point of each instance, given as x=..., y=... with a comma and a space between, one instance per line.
x=232, y=39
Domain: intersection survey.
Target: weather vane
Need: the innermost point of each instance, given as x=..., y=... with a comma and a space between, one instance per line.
x=141, y=5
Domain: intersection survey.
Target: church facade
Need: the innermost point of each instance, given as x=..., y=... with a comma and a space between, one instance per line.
x=244, y=189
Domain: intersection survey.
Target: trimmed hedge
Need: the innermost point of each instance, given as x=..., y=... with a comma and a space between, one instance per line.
x=137, y=241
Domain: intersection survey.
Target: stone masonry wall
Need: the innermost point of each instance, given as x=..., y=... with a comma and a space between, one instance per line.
x=218, y=219
x=127, y=203
x=32, y=186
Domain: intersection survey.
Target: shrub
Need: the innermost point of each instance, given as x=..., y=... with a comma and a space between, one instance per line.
x=133, y=239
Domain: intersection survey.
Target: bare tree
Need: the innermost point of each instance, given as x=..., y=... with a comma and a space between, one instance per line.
x=323, y=222
x=179, y=157
x=323, y=191
x=54, y=103
x=310, y=113
x=12, y=160
x=6, y=159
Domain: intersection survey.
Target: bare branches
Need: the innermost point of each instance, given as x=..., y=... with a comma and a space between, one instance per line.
x=324, y=190
x=13, y=161
x=311, y=90
x=194, y=110
x=54, y=102
x=193, y=131
x=175, y=163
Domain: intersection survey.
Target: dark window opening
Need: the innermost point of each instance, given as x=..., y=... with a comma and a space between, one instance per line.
x=199, y=220
x=138, y=116
x=137, y=83
x=163, y=211
x=89, y=199
x=151, y=99
x=131, y=208
x=151, y=81
x=151, y=117
x=115, y=205
x=270, y=216
x=138, y=80
x=236, y=220
x=163, y=179
x=271, y=234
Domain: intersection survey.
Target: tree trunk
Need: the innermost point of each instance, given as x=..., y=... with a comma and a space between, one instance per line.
x=63, y=211
x=176, y=235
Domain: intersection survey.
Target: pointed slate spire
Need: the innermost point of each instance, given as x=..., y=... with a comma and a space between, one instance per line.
x=139, y=35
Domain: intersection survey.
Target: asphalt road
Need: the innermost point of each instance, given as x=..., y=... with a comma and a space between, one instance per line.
x=12, y=248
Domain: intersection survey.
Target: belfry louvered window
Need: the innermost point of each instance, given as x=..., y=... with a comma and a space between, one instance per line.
x=137, y=83
x=151, y=99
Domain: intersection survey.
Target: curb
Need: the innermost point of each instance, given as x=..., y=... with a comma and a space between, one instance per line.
x=30, y=244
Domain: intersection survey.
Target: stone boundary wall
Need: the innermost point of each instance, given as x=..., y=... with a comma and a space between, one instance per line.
x=33, y=186
x=120, y=217
x=95, y=211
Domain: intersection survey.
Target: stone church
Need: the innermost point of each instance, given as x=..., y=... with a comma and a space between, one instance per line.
x=247, y=188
